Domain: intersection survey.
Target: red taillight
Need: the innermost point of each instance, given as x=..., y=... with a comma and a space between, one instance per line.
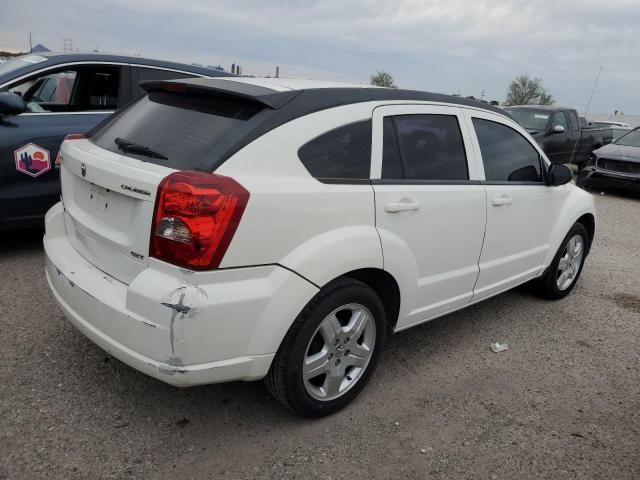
x=71, y=136
x=75, y=136
x=195, y=217
x=175, y=87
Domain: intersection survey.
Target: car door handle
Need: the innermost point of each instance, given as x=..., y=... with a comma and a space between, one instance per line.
x=395, y=207
x=502, y=200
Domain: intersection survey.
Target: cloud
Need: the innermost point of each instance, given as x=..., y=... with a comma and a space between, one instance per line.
x=438, y=45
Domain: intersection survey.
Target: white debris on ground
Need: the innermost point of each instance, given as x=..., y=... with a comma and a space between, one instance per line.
x=499, y=347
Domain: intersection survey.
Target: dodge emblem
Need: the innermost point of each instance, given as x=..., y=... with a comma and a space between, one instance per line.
x=83, y=170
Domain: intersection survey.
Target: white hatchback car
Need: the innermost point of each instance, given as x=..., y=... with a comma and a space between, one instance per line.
x=239, y=229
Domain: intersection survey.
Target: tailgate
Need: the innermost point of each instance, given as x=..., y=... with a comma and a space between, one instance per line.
x=109, y=200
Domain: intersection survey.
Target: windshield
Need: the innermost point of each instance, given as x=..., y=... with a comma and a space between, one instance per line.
x=631, y=139
x=530, y=119
x=20, y=62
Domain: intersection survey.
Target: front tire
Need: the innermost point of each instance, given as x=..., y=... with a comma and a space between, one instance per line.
x=330, y=351
x=563, y=273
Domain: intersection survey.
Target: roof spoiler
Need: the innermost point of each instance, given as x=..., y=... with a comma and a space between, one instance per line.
x=225, y=88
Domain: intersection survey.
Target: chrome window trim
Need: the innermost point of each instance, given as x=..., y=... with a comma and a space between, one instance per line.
x=83, y=112
x=121, y=64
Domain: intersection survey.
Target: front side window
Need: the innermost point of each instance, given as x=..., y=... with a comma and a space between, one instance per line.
x=559, y=118
x=86, y=87
x=50, y=92
x=343, y=153
x=507, y=156
x=430, y=148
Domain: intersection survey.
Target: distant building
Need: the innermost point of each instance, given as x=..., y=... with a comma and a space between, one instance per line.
x=39, y=48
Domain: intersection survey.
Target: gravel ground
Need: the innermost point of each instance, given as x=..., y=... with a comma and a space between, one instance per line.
x=562, y=402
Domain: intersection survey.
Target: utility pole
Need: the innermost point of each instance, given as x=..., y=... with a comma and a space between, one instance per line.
x=30, y=44
x=67, y=44
x=482, y=95
x=277, y=71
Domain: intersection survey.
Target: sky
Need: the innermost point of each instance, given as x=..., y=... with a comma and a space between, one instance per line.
x=446, y=46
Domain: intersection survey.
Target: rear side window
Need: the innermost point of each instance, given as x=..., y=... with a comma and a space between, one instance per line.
x=430, y=148
x=182, y=127
x=341, y=154
x=507, y=156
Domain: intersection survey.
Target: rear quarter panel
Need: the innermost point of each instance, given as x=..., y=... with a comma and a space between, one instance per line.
x=318, y=230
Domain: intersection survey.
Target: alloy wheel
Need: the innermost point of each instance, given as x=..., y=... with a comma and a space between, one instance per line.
x=339, y=352
x=570, y=262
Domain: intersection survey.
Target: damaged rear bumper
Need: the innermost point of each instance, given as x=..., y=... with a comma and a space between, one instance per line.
x=180, y=327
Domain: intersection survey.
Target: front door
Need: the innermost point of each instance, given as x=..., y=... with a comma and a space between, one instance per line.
x=430, y=207
x=560, y=145
x=521, y=209
x=59, y=101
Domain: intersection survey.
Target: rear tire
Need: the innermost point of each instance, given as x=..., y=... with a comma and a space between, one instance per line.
x=564, y=271
x=330, y=351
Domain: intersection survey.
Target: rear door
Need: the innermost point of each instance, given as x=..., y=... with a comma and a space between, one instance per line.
x=62, y=100
x=520, y=207
x=430, y=207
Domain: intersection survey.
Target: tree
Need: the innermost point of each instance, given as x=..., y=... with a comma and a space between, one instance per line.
x=524, y=90
x=383, y=79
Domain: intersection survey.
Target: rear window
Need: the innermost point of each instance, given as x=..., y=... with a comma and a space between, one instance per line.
x=182, y=127
x=341, y=154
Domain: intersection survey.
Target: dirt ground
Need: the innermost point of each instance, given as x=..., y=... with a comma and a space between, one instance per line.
x=562, y=402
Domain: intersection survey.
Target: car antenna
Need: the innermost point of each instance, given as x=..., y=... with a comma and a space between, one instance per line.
x=586, y=111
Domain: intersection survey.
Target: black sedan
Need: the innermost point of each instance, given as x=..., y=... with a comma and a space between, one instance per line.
x=45, y=97
x=616, y=165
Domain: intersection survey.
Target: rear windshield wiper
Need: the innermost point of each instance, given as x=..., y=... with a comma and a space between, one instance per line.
x=128, y=146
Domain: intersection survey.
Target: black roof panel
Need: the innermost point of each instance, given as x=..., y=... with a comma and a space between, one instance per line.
x=281, y=107
x=328, y=97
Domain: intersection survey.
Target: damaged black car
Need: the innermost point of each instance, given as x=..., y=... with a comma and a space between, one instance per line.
x=616, y=165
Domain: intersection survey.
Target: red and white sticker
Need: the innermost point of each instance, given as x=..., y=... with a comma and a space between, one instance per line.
x=32, y=160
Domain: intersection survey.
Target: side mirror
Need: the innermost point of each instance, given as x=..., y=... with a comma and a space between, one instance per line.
x=558, y=129
x=11, y=104
x=558, y=174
